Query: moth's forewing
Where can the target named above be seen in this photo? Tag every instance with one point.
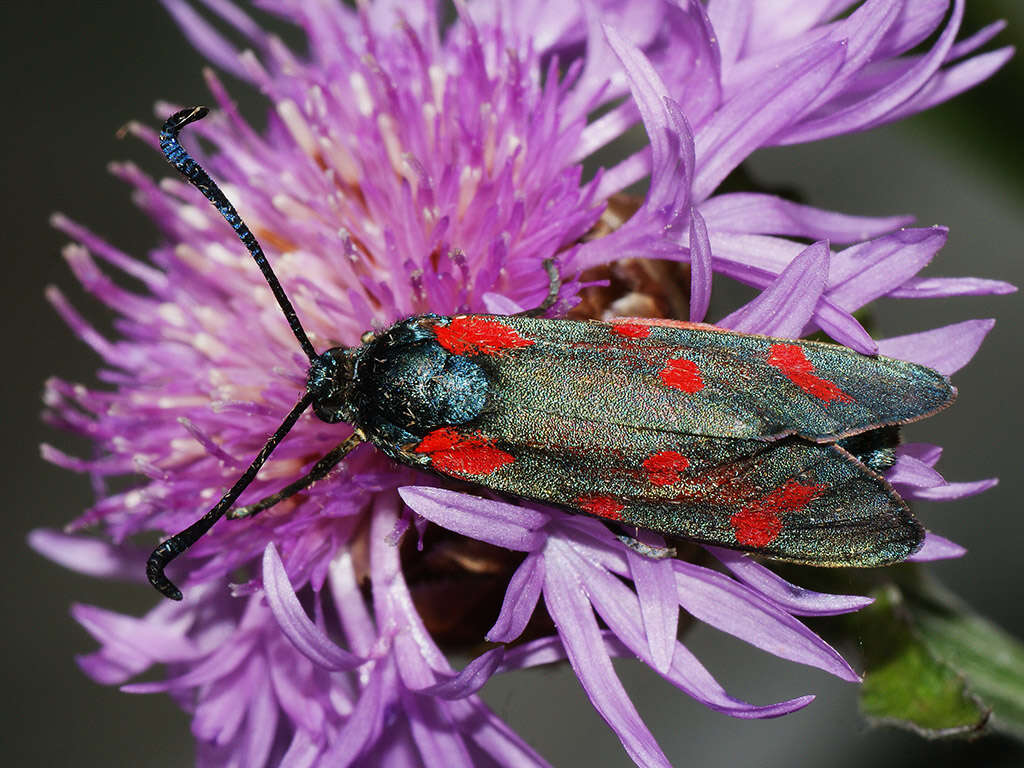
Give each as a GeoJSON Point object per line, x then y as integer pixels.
{"type": "Point", "coordinates": [711, 382]}
{"type": "Point", "coordinates": [723, 438]}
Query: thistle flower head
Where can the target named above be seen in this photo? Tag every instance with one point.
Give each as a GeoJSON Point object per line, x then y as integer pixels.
{"type": "Point", "coordinates": [411, 167]}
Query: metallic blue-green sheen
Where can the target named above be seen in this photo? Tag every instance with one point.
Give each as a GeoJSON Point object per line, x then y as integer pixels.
{"type": "Point", "coordinates": [577, 412]}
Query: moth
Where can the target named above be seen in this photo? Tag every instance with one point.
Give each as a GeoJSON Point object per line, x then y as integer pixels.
{"type": "Point", "coordinates": [771, 446]}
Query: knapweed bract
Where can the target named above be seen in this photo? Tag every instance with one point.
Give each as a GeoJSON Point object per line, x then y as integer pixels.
{"type": "Point", "coordinates": [420, 162]}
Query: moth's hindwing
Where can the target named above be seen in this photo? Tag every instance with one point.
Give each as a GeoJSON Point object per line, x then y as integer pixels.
{"type": "Point", "coordinates": [724, 438]}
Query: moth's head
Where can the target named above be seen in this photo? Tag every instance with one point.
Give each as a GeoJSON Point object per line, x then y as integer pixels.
{"type": "Point", "coordinates": [330, 383]}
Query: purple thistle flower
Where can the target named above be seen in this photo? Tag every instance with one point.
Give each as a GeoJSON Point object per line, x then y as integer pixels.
{"type": "Point", "coordinates": [409, 168]}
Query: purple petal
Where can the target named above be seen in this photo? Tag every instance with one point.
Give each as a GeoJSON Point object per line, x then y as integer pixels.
{"type": "Point", "coordinates": [752, 259]}
{"type": "Point", "coordinates": [262, 715]}
{"type": "Point", "coordinates": [356, 622]}
{"type": "Point", "coordinates": [470, 680]}
{"type": "Point", "coordinates": [220, 714]}
{"type": "Point", "coordinates": [912, 472]}
{"type": "Point", "coordinates": [498, 304]}
{"type": "Point", "coordinates": [936, 548]}
{"type": "Point", "coordinates": [413, 668]}
{"type": "Point", "coordinates": [974, 42]}
{"type": "Point", "coordinates": [951, 491]}
{"type": "Point", "coordinates": [302, 752]}
{"type": "Point", "coordinates": [789, 597]}
{"type": "Point", "coordinates": [521, 597]}
{"type": "Point", "coordinates": [786, 306]}
{"type": "Point", "coordinates": [862, 31]}
{"type": "Point", "coordinates": [943, 287]}
{"type": "Point", "coordinates": [690, 675]}
{"type": "Point", "coordinates": [953, 81]}
{"type": "Point", "coordinates": [504, 525]}
{"type": "Point", "coordinates": [131, 645]}
{"type": "Point", "coordinates": [731, 607]}
{"type": "Point", "coordinates": [309, 639]}
{"type": "Point", "coordinates": [946, 349]}
{"type": "Point", "coordinates": [101, 346]}
{"type": "Point", "coordinates": [89, 556]}
{"type": "Point", "coordinates": [731, 21]}
{"type": "Point", "coordinates": [494, 738]}
{"type": "Point", "coordinates": [924, 452]}
{"type": "Point", "coordinates": [606, 128]}
{"type": "Point", "coordinates": [159, 641]}
{"type": "Point", "coordinates": [437, 738]}
{"type": "Point", "coordinates": [864, 272]}
{"type": "Point", "coordinates": [782, 20]}
{"type": "Point", "coordinates": [749, 120]}
{"type": "Point", "coordinates": [592, 541]}
{"type": "Point", "coordinates": [565, 597]}
{"type": "Point", "coordinates": [154, 279]}
{"type": "Point", "coordinates": [620, 607]}
{"type": "Point", "coordinates": [295, 697]}
{"type": "Point", "coordinates": [671, 145]}
{"type": "Point", "coordinates": [616, 603]}
{"type": "Point", "coordinates": [205, 38]}
{"type": "Point", "coordinates": [843, 327]}
{"type": "Point", "coordinates": [655, 589]}
{"type": "Point", "coordinates": [232, 14]}
{"type": "Point", "coordinates": [757, 260]}
{"type": "Point", "coordinates": [917, 22]}
{"type": "Point", "coordinates": [874, 108]}
{"type": "Point", "coordinates": [701, 271]}
{"type": "Point", "coordinates": [393, 746]}
{"type": "Point", "coordinates": [687, 674]}
{"type": "Point", "coordinates": [224, 661]}
{"type": "Point", "coordinates": [746, 212]}
{"type": "Point", "coordinates": [690, 57]}
{"type": "Point", "coordinates": [363, 725]}
{"type": "Point", "coordinates": [209, 445]}
{"type": "Point", "coordinates": [114, 668]}
{"type": "Point", "coordinates": [544, 650]}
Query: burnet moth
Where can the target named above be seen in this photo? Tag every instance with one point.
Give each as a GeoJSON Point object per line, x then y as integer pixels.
{"type": "Point", "coordinates": [770, 446]}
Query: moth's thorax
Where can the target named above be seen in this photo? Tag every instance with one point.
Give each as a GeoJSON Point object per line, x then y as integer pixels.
{"type": "Point", "coordinates": [406, 384]}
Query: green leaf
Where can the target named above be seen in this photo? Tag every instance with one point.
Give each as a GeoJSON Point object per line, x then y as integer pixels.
{"type": "Point", "coordinates": [906, 683]}
{"type": "Point", "coordinates": [989, 659]}
{"type": "Point", "coordinates": [935, 666]}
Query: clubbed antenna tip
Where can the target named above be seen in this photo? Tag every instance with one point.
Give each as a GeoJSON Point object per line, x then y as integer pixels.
{"type": "Point", "coordinates": [180, 119]}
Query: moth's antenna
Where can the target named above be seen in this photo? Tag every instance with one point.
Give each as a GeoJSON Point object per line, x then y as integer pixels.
{"type": "Point", "coordinates": [178, 543]}
{"type": "Point", "coordinates": [191, 170]}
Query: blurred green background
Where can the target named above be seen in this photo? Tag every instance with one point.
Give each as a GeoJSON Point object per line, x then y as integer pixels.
{"type": "Point", "coordinates": [76, 72]}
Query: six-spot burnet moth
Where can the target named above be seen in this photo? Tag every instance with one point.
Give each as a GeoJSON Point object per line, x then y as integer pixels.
{"type": "Point", "coordinates": [766, 445]}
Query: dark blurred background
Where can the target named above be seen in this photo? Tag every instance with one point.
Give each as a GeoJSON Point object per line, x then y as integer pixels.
{"type": "Point", "coordinates": [76, 72]}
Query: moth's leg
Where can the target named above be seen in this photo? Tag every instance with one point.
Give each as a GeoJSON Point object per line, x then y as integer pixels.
{"type": "Point", "coordinates": [654, 553]}
{"type": "Point", "coordinates": [554, 284]}
{"type": "Point", "coordinates": [318, 472]}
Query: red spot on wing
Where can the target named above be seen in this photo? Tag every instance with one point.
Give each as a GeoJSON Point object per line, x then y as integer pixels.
{"type": "Point", "coordinates": [666, 467]}
{"type": "Point", "coordinates": [682, 374]}
{"type": "Point", "coordinates": [631, 330]}
{"type": "Point", "coordinates": [602, 506]}
{"type": "Point", "coordinates": [759, 522]}
{"type": "Point", "coordinates": [475, 335]}
{"type": "Point", "coordinates": [455, 454]}
{"type": "Point", "coordinates": [791, 360]}
{"type": "Point", "coordinates": [756, 527]}
{"type": "Point", "coordinates": [723, 484]}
